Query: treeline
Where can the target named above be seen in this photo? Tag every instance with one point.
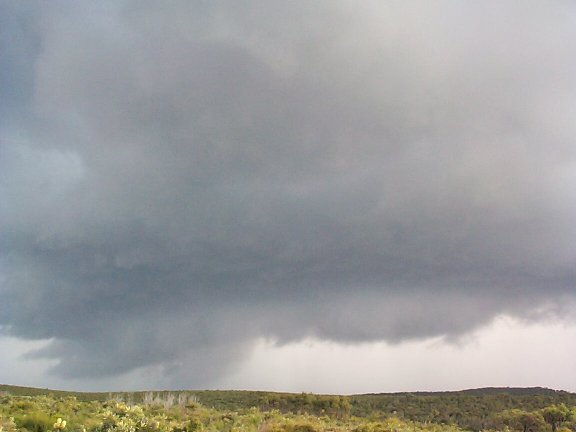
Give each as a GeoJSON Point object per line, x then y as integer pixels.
{"type": "Point", "coordinates": [336, 406]}
{"type": "Point", "coordinates": [472, 410]}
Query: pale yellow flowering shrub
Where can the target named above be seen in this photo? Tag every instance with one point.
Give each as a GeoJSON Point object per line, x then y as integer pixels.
{"type": "Point", "coordinates": [132, 418]}
{"type": "Point", "coordinates": [59, 425]}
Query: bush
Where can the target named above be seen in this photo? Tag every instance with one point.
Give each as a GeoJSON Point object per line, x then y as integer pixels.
{"type": "Point", "coordinates": [370, 427]}
{"type": "Point", "coordinates": [291, 427]}
{"type": "Point", "coordinates": [35, 422]}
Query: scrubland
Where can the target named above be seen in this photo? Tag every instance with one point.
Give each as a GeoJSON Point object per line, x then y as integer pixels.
{"type": "Point", "coordinates": [29, 410]}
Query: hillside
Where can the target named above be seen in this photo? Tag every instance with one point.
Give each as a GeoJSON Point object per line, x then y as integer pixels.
{"type": "Point", "coordinates": [470, 409]}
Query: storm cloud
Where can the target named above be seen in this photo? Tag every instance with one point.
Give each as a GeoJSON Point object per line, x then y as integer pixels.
{"type": "Point", "coordinates": [179, 179]}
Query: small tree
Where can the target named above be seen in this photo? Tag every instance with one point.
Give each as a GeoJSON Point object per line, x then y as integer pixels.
{"type": "Point", "coordinates": [555, 415]}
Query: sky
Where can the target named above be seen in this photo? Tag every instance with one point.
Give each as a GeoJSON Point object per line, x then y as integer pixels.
{"type": "Point", "coordinates": [329, 196]}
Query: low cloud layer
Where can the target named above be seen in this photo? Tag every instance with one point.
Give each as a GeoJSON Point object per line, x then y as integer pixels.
{"type": "Point", "coordinates": [179, 180]}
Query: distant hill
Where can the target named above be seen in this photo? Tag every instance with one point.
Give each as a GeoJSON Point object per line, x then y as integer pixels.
{"type": "Point", "coordinates": [236, 394]}
{"type": "Point", "coordinates": [33, 391]}
{"type": "Point", "coordinates": [516, 391]}
{"type": "Point", "coordinates": [484, 391]}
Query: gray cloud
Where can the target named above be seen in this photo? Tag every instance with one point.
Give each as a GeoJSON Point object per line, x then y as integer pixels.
{"type": "Point", "coordinates": [190, 177]}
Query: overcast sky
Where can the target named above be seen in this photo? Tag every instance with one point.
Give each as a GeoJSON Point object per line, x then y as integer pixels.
{"type": "Point", "coordinates": [271, 194]}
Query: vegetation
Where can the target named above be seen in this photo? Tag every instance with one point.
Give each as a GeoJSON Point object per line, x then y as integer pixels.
{"type": "Point", "coordinates": [522, 410]}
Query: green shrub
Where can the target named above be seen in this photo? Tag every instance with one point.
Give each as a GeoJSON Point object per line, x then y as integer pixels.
{"type": "Point", "coordinates": [194, 425]}
{"type": "Point", "coordinates": [370, 427]}
{"type": "Point", "coordinates": [304, 427]}
{"type": "Point", "coordinates": [35, 422]}
{"type": "Point", "coordinates": [292, 427]}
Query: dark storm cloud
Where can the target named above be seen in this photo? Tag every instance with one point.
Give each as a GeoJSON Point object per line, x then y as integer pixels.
{"type": "Point", "coordinates": [192, 176]}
